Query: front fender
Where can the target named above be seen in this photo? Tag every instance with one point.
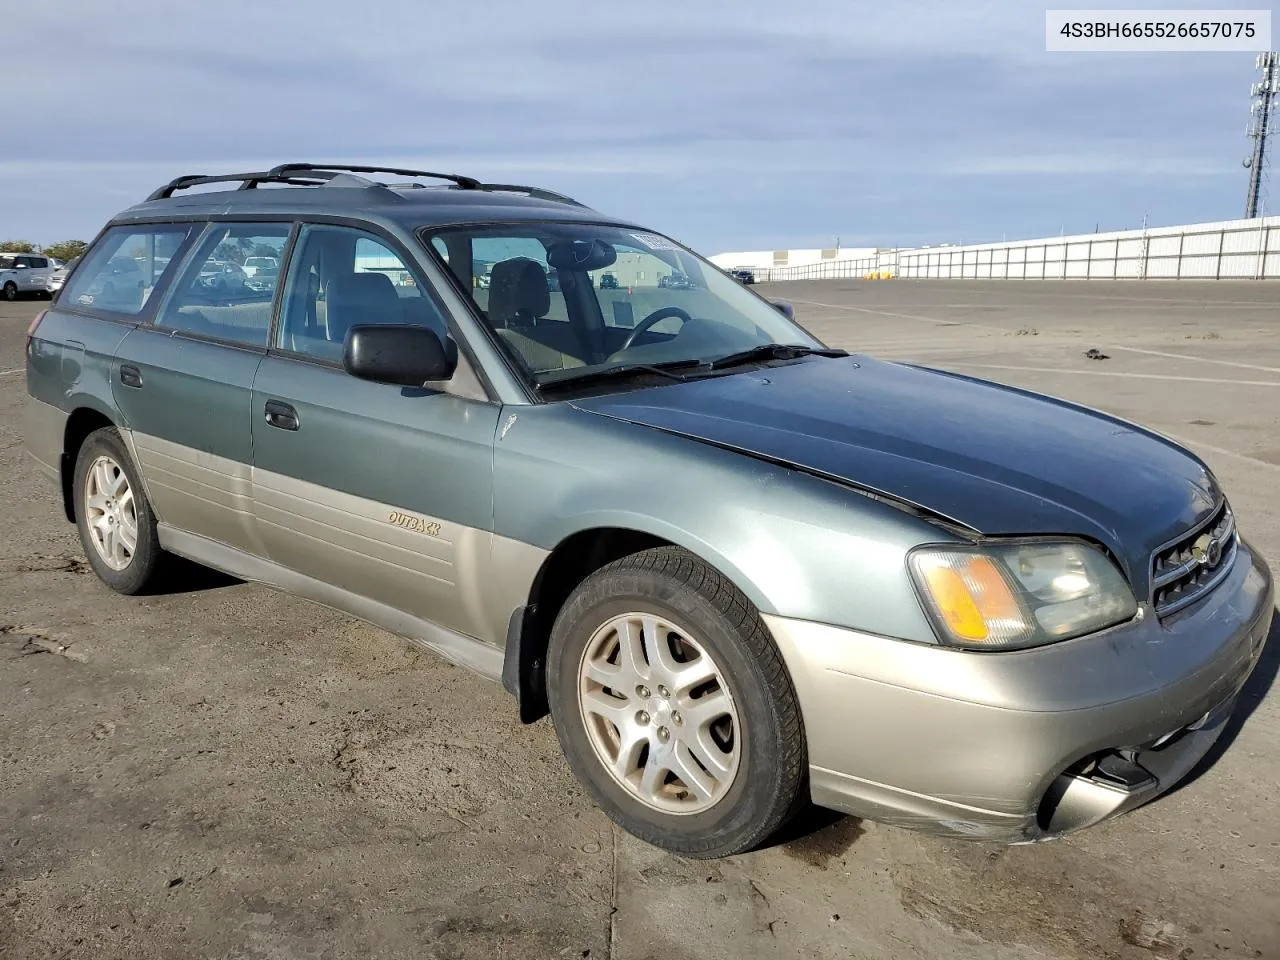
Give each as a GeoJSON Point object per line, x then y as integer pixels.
{"type": "Point", "coordinates": [601, 516]}
{"type": "Point", "coordinates": [796, 545]}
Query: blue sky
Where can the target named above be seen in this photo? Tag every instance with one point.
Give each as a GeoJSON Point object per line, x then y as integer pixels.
{"type": "Point", "coordinates": [730, 124]}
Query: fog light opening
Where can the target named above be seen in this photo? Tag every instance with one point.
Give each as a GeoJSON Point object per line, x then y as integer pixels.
{"type": "Point", "coordinates": [1091, 790]}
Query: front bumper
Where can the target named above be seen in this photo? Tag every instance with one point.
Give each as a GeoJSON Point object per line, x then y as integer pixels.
{"type": "Point", "coordinates": [1024, 745]}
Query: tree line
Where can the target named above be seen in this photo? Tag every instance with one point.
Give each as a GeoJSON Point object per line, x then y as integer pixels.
{"type": "Point", "coordinates": [63, 250]}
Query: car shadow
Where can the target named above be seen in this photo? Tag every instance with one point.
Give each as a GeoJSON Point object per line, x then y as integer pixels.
{"type": "Point", "coordinates": [181, 575]}
{"type": "Point", "coordinates": [816, 836]}
{"type": "Point", "coordinates": [1252, 694]}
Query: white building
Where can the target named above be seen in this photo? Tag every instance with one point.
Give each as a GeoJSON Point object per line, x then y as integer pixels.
{"type": "Point", "coordinates": [764, 259]}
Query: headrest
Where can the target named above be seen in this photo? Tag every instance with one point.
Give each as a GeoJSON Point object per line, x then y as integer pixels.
{"type": "Point", "coordinates": [354, 298]}
{"type": "Point", "coordinates": [518, 292]}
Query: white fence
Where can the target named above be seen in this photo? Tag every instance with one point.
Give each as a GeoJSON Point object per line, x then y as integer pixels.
{"type": "Point", "coordinates": [830, 269]}
{"type": "Point", "coordinates": [1230, 249]}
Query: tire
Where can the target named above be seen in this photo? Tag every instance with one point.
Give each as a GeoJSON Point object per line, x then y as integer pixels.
{"type": "Point", "coordinates": [10, 291]}
{"type": "Point", "coordinates": [752, 763]}
{"type": "Point", "coordinates": [126, 571]}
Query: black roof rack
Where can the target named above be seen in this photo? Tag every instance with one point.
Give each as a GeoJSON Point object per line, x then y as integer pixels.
{"type": "Point", "coordinates": [537, 193]}
{"type": "Point", "coordinates": [466, 183]}
{"type": "Point", "coordinates": [247, 181]}
{"type": "Point", "coordinates": [319, 174]}
{"type": "Point", "coordinates": [284, 169]}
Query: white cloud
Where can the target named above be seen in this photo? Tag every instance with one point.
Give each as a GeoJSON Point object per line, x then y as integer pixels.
{"type": "Point", "coordinates": [1124, 165]}
{"type": "Point", "coordinates": [714, 116]}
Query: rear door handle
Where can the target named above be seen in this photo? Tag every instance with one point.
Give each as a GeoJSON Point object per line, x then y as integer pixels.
{"type": "Point", "coordinates": [130, 376]}
{"type": "Point", "coordinates": [281, 415]}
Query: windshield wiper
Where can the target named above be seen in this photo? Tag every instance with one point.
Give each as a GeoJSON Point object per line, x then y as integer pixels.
{"type": "Point", "coordinates": [621, 371]}
{"type": "Point", "coordinates": [765, 351]}
{"type": "Point", "coordinates": [772, 351]}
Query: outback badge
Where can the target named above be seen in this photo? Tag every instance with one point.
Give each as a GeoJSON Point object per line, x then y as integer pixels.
{"type": "Point", "coordinates": [407, 520]}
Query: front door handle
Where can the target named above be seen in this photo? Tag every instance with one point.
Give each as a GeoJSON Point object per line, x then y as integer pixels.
{"type": "Point", "coordinates": [130, 376]}
{"type": "Point", "coordinates": [281, 415]}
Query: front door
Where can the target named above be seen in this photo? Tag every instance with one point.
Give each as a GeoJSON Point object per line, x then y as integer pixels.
{"type": "Point", "coordinates": [381, 491]}
{"type": "Point", "coordinates": [184, 383]}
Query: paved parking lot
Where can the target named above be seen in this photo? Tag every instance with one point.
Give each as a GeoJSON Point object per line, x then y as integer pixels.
{"type": "Point", "coordinates": [224, 771]}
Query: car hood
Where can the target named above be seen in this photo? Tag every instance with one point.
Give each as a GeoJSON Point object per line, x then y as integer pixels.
{"type": "Point", "coordinates": [995, 459]}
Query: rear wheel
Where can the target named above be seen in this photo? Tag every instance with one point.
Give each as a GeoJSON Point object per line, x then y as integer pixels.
{"type": "Point", "coordinates": [116, 525]}
{"type": "Point", "coordinates": [10, 291]}
{"type": "Point", "coordinates": [673, 706]}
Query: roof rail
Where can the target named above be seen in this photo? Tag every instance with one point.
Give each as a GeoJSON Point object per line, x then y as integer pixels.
{"type": "Point", "coordinates": [319, 174]}
{"type": "Point", "coordinates": [247, 181]}
{"type": "Point", "coordinates": [285, 169]}
{"type": "Point", "coordinates": [536, 193]}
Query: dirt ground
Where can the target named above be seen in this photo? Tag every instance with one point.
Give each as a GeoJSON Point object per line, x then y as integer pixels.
{"type": "Point", "coordinates": [223, 771]}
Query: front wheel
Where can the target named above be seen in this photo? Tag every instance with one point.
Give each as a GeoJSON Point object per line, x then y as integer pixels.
{"type": "Point", "coordinates": [674, 708]}
{"type": "Point", "coordinates": [116, 525]}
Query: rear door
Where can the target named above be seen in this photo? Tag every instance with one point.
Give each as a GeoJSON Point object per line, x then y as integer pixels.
{"type": "Point", "coordinates": [39, 273]}
{"type": "Point", "coordinates": [27, 276]}
{"type": "Point", "coordinates": [384, 492]}
{"type": "Point", "coordinates": [184, 383]}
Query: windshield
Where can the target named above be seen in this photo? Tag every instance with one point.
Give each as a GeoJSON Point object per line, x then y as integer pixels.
{"type": "Point", "coordinates": [570, 300]}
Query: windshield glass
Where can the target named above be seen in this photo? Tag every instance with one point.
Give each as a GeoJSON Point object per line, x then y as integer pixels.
{"type": "Point", "coordinates": [570, 300]}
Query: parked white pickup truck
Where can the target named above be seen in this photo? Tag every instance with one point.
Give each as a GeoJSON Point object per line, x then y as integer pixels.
{"type": "Point", "coordinates": [25, 273]}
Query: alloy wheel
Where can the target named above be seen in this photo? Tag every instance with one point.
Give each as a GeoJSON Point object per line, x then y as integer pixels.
{"type": "Point", "coordinates": [111, 513]}
{"type": "Point", "coordinates": [659, 714]}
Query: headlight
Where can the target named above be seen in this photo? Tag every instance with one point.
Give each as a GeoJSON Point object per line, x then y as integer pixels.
{"type": "Point", "coordinates": [1010, 596]}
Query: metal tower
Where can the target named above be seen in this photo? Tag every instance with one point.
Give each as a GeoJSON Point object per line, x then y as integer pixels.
{"type": "Point", "coordinates": [1264, 94]}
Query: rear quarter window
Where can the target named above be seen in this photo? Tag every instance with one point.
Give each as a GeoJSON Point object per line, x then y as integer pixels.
{"type": "Point", "coordinates": [126, 265]}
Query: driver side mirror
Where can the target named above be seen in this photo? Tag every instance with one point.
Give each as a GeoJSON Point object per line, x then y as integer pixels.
{"type": "Point", "coordinates": [393, 353]}
{"type": "Point", "coordinates": [784, 308]}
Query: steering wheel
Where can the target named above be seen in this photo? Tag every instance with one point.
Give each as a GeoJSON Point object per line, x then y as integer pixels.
{"type": "Point", "coordinates": [645, 325]}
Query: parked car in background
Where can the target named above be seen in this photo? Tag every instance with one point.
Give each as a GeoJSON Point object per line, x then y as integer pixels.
{"type": "Point", "coordinates": [222, 274]}
{"type": "Point", "coordinates": [675, 281]}
{"type": "Point", "coordinates": [25, 273]}
{"type": "Point", "coordinates": [59, 276]}
{"type": "Point", "coordinates": [253, 264]}
{"type": "Point", "coordinates": [264, 276]}
{"type": "Point", "coordinates": [740, 569]}
{"type": "Point", "coordinates": [743, 275]}
{"type": "Point", "coordinates": [608, 282]}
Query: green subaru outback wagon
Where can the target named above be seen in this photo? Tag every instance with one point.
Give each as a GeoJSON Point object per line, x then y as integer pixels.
{"type": "Point", "coordinates": [740, 570]}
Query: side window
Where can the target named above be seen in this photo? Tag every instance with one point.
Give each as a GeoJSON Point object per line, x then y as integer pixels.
{"type": "Point", "coordinates": [39, 262]}
{"type": "Point", "coordinates": [341, 277]}
{"type": "Point", "coordinates": [124, 267]}
{"type": "Point", "coordinates": [229, 287]}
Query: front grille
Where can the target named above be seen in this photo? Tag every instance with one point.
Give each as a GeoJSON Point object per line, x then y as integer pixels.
{"type": "Point", "coordinates": [1184, 571]}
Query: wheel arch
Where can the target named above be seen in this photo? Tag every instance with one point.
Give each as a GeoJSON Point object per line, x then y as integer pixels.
{"type": "Point", "coordinates": [574, 558]}
{"type": "Point", "coordinates": [83, 420]}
